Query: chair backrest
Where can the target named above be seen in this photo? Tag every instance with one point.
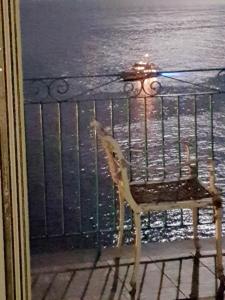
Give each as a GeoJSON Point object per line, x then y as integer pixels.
{"type": "Point", "coordinates": [117, 164]}
{"type": "Point", "coordinates": [116, 161]}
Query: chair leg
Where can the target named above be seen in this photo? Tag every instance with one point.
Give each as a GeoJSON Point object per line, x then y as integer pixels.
{"type": "Point", "coordinates": [121, 223]}
{"type": "Point", "coordinates": [133, 282]}
{"type": "Point", "coordinates": [219, 255]}
{"type": "Point", "coordinates": [195, 228]}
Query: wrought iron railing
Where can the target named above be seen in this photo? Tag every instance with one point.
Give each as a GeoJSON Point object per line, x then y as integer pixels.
{"type": "Point", "coordinates": [71, 196]}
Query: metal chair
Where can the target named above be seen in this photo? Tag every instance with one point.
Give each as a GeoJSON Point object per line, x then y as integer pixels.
{"type": "Point", "coordinates": [144, 197]}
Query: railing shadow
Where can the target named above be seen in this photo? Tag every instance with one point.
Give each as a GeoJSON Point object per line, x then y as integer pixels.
{"type": "Point", "coordinates": [194, 295]}
{"type": "Point", "coordinates": [111, 281]}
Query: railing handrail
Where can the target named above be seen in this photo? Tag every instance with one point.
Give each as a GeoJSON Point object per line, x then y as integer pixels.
{"type": "Point", "coordinates": [64, 89]}
{"type": "Point", "coordinates": [118, 74]}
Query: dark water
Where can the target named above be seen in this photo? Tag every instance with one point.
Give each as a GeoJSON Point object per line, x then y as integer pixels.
{"type": "Point", "coordinates": [75, 37]}
{"type": "Point", "coordinates": [94, 37]}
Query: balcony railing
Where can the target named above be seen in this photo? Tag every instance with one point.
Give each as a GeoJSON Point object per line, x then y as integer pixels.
{"type": "Point", "coordinates": [71, 196]}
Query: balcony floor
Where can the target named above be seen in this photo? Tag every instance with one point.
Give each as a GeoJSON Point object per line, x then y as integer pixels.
{"type": "Point", "coordinates": [168, 271]}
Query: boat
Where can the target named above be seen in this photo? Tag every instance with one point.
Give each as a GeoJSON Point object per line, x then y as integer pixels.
{"type": "Point", "coordinates": [139, 71]}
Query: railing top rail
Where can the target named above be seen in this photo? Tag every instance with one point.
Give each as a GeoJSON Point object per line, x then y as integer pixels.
{"type": "Point", "coordinates": [118, 74]}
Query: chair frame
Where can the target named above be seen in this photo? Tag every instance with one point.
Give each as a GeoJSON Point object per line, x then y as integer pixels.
{"type": "Point", "coordinates": [118, 169]}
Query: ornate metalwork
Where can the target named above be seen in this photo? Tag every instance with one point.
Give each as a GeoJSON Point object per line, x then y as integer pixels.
{"type": "Point", "coordinates": [221, 75]}
{"type": "Point", "coordinates": [71, 88]}
{"type": "Point", "coordinates": [43, 89]}
{"type": "Point", "coordinates": [142, 88]}
{"type": "Point", "coordinates": [66, 88]}
{"type": "Point", "coordinates": [39, 88]}
{"type": "Point", "coordinates": [140, 81]}
{"type": "Point", "coordinates": [58, 88]}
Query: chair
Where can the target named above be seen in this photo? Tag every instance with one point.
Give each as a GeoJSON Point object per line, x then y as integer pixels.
{"type": "Point", "coordinates": [143, 197]}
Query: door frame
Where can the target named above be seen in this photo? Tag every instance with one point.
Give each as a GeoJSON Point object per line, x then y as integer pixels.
{"type": "Point", "coordinates": [14, 229]}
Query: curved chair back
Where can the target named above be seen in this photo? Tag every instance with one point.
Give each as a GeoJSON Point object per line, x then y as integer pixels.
{"type": "Point", "coordinates": [116, 162]}
{"type": "Point", "coordinates": [114, 155]}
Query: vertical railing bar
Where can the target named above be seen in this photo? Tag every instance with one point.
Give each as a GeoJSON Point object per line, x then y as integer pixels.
{"type": "Point", "coordinates": [163, 136]}
{"type": "Point", "coordinates": [146, 139]}
{"type": "Point", "coordinates": [129, 147]}
{"type": "Point", "coordinates": [179, 149]}
{"type": "Point", "coordinates": [113, 185]}
{"type": "Point", "coordinates": [44, 167]}
{"type": "Point", "coordinates": [211, 110]}
{"type": "Point", "coordinates": [196, 130]}
{"type": "Point", "coordinates": [61, 167]}
{"type": "Point", "coordinates": [146, 151]}
{"type": "Point", "coordinates": [196, 138]}
{"type": "Point", "coordinates": [129, 136]}
{"type": "Point", "coordinates": [112, 116]}
{"type": "Point", "coordinates": [163, 149]}
{"type": "Point", "coordinates": [211, 124]}
{"type": "Point", "coordinates": [96, 177]}
{"type": "Point", "coordinates": [77, 110]}
{"type": "Point", "coordinates": [178, 133]}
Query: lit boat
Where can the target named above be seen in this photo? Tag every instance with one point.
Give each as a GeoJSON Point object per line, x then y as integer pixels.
{"type": "Point", "coordinates": [139, 71]}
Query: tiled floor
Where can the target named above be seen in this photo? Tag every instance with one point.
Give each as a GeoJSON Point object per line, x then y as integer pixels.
{"type": "Point", "coordinates": [168, 271]}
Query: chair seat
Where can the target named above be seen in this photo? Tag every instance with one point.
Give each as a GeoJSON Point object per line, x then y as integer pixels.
{"type": "Point", "coordinates": [169, 191]}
